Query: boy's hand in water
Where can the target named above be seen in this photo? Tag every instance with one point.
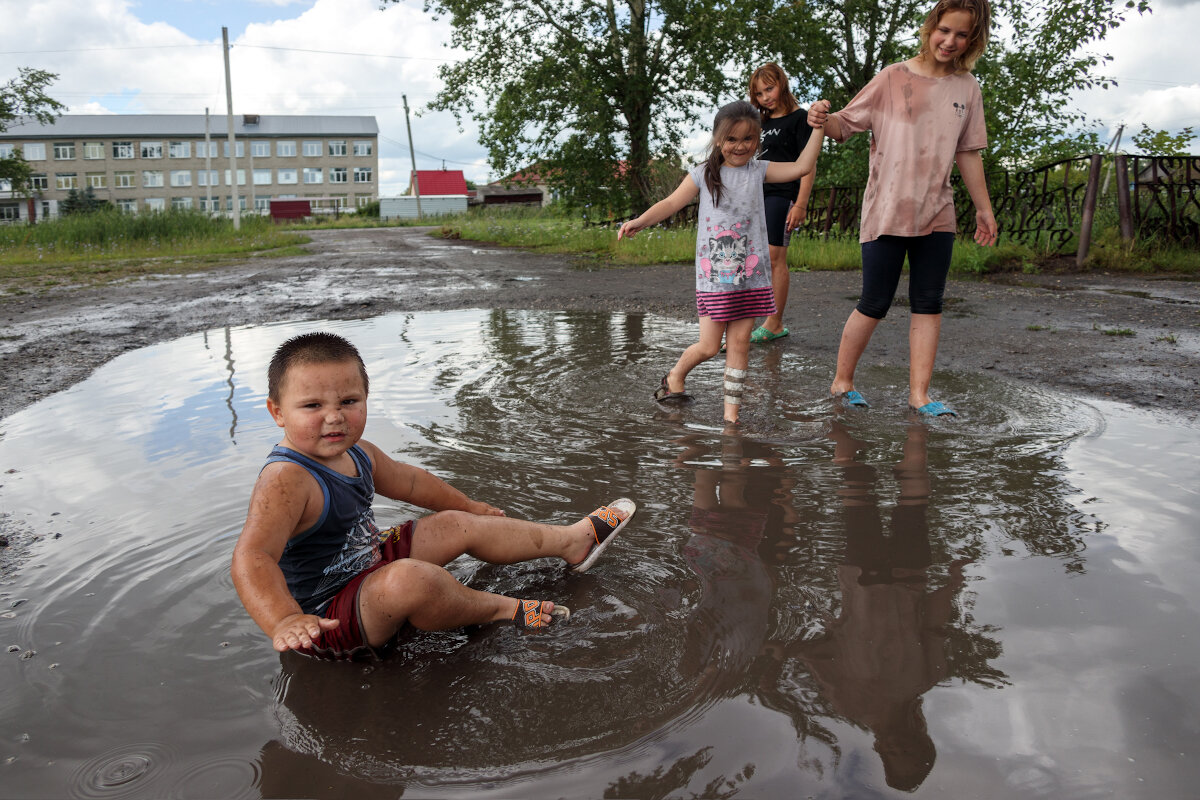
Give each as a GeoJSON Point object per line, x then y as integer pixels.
{"type": "Point", "coordinates": [484, 510]}
{"type": "Point", "coordinates": [300, 631]}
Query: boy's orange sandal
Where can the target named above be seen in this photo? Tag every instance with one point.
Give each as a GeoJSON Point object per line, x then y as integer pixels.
{"type": "Point", "coordinates": [607, 522]}
{"type": "Point", "coordinates": [529, 614]}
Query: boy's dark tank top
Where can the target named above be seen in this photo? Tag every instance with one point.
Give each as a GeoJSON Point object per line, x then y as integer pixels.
{"type": "Point", "coordinates": [343, 542]}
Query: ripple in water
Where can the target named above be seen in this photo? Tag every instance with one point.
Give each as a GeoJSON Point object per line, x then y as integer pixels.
{"type": "Point", "coordinates": [126, 771]}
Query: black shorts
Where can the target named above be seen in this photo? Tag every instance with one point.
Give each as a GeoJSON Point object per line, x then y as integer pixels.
{"type": "Point", "coordinates": [928, 266]}
{"type": "Point", "coordinates": [777, 210]}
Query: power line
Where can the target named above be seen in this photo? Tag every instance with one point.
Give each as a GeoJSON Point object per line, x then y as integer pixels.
{"type": "Point", "coordinates": [101, 49]}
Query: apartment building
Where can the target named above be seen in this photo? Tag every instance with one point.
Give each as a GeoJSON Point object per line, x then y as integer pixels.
{"type": "Point", "coordinates": [152, 162]}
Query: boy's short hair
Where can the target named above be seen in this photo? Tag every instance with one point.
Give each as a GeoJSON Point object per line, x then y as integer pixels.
{"type": "Point", "coordinates": [318, 347]}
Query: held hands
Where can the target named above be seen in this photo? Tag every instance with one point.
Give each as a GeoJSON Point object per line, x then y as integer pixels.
{"type": "Point", "coordinates": [986, 230]}
{"type": "Point", "coordinates": [300, 631]}
{"type": "Point", "coordinates": [818, 112]}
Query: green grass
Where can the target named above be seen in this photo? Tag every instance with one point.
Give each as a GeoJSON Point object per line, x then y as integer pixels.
{"type": "Point", "coordinates": [109, 245]}
{"type": "Point", "coordinates": [1114, 331]}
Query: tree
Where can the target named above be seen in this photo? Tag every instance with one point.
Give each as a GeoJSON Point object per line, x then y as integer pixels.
{"type": "Point", "coordinates": [592, 91]}
{"type": "Point", "coordinates": [1162, 143]}
{"type": "Point", "coordinates": [25, 96]}
{"type": "Point", "coordinates": [84, 202]}
{"type": "Point", "coordinates": [1039, 53]}
{"type": "Point", "coordinates": [15, 173]}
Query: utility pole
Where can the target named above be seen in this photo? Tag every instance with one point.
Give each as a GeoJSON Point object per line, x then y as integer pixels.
{"type": "Point", "coordinates": [1113, 144]}
{"type": "Point", "coordinates": [413, 153]}
{"type": "Point", "coordinates": [237, 215]}
{"type": "Point", "coordinates": [207, 165]}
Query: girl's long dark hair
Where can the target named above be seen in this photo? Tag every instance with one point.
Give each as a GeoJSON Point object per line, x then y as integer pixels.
{"type": "Point", "coordinates": [727, 117]}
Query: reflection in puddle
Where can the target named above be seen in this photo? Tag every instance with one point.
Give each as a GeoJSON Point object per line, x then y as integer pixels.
{"type": "Point", "coordinates": [823, 602]}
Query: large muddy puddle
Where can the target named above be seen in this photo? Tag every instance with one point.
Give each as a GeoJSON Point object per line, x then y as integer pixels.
{"type": "Point", "coordinates": [823, 603]}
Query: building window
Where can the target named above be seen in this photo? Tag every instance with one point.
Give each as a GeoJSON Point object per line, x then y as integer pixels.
{"type": "Point", "coordinates": [260, 149]}
{"type": "Point", "coordinates": [152, 178]}
{"type": "Point", "coordinates": [312, 175]}
{"type": "Point", "coordinates": [66, 180]}
{"type": "Point", "coordinates": [128, 206]}
{"type": "Point", "coordinates": [181, 177]}
{"type": "Point", "coordinates": [285, 149]}
{"type": "Point", "coordinates": [64, 151]}
{"type": "Point", "coordinates": [262, 203]}
{"type": "Point", "coordinates": [6, 150]}
{"type": "Point", "coordinates": [201, 147]}
{"type": "Point", "coordinates": [93, 150]}
{"type": "Point", "coordinates": [229, 204]}
{"type": "Point", "coordinates": [156, 204]}
{"type": "Point", "coordinates": [362, 174]}
{"type": "Point", "coordinates": [312, 149]}
{"type": "Point", "coordinates": [362, 148]}
{"type": "Point", "coordinates": [181, 203]}
{"type": "Point", "coordinates": [152, 150]}
{"type": "Point", "coordinates": [241, 179]}
{"type": "Point", "coordinates": [123, 180]}
{"type": "Point", "coordinates": [361, 200]}
{"type": "Point", "coordinates": [286, 176]}
{"type": "Point", "coordinates": [39, 182]}
{"type": "Point", "coordinates": [122, 149]}
{"type": "Point", "coordinates": [337, 174]}
{"type": "Point", "coordinates": [10, 212]}
{"type": "Point", "coordinates": [206, 178]}
{"type": "Point", "coordinates": [240, 149]}
{"type": "Point", "coordinates": [337, 148]}
{"type": "Point", "coordinates": [97, 180]}
{"type": "Point", "coordinates": [262, 177]}
{"type": "Point", "coordinates": [34, 151]}
{"type": "Point", "coordinates": [179, 149]}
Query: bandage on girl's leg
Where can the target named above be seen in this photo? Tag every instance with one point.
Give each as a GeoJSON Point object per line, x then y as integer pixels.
{"type": "Point", "coordinates": [735, 386]}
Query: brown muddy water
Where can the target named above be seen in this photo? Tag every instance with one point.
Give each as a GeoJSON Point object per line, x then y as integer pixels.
{"type": "Point", "coordinates": [823, 603]}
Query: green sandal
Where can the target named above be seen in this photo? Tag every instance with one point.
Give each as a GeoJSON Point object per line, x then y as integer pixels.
{"type": "Point", "coordinates": [761, 335]}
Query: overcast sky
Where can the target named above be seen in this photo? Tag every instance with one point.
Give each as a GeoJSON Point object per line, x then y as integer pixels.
{"type": "Point", "coordinates": [351, 57]}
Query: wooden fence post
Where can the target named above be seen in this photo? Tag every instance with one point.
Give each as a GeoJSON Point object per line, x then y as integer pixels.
{"type": "Point", "coordinates": [1123, 199]}
{"type": "Point", "coordinates": [1089, 209]}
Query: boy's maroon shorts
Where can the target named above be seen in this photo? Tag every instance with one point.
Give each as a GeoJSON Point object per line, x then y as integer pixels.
{"type": "Point", "coordinates": [347, 640]}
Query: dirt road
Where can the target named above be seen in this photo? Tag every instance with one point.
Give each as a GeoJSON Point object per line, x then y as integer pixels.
{"type": "Point", "coordinates": [1135, 340]}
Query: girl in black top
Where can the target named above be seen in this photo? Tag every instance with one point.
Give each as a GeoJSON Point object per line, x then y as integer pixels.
{"type": "Point", "coordinates": [785, 131]}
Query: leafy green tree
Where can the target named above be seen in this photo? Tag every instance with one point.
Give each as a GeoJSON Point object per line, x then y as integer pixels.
{"type": "Point", "coordinates": [15, 172]}
{"type": "Point", "coordinates": [1162, 143]}
{"type": "Point", "coordinates": [1041, 51]}
{"type": "Point", "coordinates": [25, 96]}
{"type": "Point", "coordinates": [84, 202]}
{"type": "Point", "coordinates": [592, 91]}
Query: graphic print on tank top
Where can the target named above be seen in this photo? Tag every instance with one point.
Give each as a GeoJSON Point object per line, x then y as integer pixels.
{"type": "Point", "coordinates": [729, 259]}
{"type": "Point", "coordinates": [360, 551]}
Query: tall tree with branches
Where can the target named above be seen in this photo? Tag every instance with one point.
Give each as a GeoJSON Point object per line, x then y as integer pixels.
{"type": "Point", "coordinates": [589, 92]}
{"type": "Point", "coordinates": [24, 97]}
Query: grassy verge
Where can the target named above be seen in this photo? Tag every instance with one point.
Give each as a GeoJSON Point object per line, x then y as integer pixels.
{"type": "Point", "coordinates": [549, 231]}
{"type": "Point", "coordinates": [86, 249]}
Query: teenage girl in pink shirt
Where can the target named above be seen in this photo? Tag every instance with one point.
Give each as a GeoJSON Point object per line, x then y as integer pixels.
{"type": "Point", "coordinates": [925, 115]}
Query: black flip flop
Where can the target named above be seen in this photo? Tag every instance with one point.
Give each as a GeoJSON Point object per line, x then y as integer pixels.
{"type": "Point", "coordinates": [664, 395]}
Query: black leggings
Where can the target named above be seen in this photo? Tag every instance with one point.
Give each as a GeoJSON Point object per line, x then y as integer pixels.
{"type": "Point", "coordinates": [928, 265]}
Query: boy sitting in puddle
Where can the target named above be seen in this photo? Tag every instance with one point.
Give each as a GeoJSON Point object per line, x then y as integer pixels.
{"type": "Point", "coordinates": [314, 571]}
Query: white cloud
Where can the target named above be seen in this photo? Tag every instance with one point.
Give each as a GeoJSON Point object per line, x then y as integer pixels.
{"type": "Point", "coordinates": [332, 57]}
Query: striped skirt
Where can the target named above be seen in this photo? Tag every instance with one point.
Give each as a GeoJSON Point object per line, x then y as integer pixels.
{"type": "Point", "coordinates": [735, 305]}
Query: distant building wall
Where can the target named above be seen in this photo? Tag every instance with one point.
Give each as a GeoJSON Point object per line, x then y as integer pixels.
{"type": "Point", "coordinates": [148, 162]}
{"type": "Point", "coordinates": [431, 206]}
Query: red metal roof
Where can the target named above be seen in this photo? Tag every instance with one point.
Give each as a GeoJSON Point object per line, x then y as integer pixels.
{"type": "Point", "coordinates": [440, 181]}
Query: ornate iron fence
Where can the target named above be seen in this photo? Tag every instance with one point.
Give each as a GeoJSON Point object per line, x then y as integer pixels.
{"type": "Point", "coordinates": [1052, 207]}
